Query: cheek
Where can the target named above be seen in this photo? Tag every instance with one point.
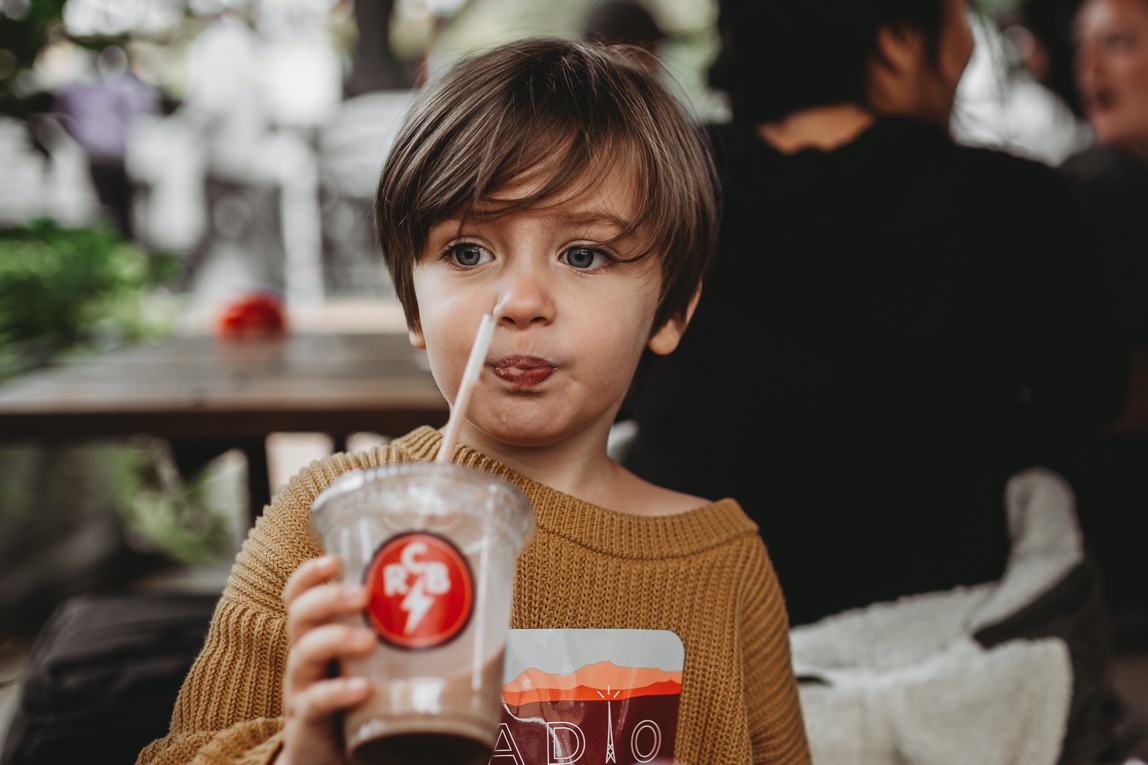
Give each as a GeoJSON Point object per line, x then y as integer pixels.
{"type": "Point", "coordinates": [447, 358]}
{"type": "Point", "coordinates": [1129, 79]}
{"type": "Point", "coordinates": [1136, 75]}
{"type": "Point", "coordinates": [611, 374]}
{"type": "Point", "coordinates": [628, 336]}
{"type": "Point", "coordinates": [613, 319]}
{"type": "Point", "coordinates": [437, 314]}
{"type": "Point", "coordinates": [437, 302]}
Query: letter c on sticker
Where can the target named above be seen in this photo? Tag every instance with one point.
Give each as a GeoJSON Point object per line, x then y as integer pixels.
{"type": "Point", "coordinates": [409, 561]}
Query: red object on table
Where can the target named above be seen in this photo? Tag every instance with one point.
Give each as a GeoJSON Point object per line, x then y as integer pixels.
{"type": "Point", "coordinates": [258, 314]}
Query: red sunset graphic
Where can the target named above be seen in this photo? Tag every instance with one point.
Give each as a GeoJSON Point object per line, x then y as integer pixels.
{"type": "Point", "coordinates": [587, 683]}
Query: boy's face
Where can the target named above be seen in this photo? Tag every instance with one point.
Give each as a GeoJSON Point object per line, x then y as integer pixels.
{"type": "Point", "coordinates": [571, 319]}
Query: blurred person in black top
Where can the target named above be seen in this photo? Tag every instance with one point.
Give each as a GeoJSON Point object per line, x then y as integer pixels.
{"type": "Point", "coordinates": [894, 323]}
{"type": "Point", "coordinates": [623, 22]}
{"type": "Point", "coordinates": [1110, 179]}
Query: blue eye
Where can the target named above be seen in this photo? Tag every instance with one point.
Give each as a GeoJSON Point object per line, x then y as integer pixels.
{"type": "Point", "coordinates": [584, 258]}
{"type": "Point", "coordinates": [468, 254]}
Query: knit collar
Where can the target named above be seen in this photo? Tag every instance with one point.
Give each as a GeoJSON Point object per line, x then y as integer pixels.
{"type": "Point", "coordinates": [594, 527]}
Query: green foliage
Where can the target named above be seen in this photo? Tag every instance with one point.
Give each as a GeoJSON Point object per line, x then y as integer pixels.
{"type": "Point", "coordinates": [80, 502]}
{"type": "Point", "coordinates": [74, 290]}
{"type": "Point", "coordinates": [25, 35]}
{"type": "Point", "coordinates": [21, 40]}
{"type": "Point", "coordinates": [69, 291]}
{"type": "Point", "coordinates": [165, 515]}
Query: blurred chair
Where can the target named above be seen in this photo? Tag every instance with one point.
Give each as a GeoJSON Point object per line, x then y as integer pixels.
{"type": "Point", "coordinates": [942, 676]}
{"type": "Point", "coordinates": [244, 225]}
{"type": "Point", "coordinates": [351, 149]}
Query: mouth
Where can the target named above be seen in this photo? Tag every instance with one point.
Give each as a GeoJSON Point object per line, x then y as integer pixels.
{"type": "Point", "coordinates": [523, 371]}
{"type": "Point", "coordinates": [1102, 100]}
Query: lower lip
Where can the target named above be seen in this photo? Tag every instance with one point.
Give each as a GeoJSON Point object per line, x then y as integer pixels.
{"type": "Point", "coordinates": [526, 378]}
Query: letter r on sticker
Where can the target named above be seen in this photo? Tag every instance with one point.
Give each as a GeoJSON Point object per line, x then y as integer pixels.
{"type": "Point", "coordinates": [394, 580]}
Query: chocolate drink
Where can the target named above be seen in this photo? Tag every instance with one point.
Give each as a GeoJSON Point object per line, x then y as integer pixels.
{"type": "Point", "coordinates": [423, 749]}
{"type": "Point", "coordinates": [394, 731]}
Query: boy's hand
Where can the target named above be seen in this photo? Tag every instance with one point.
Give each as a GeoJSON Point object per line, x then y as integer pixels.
{"type": "Point", "coordinates": [312, 698]}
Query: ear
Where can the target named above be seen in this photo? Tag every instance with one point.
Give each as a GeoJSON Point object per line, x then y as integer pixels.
{"type": "Point", "coordinates": [897, 48]}
{"type": "Point", "coordinates": [415, 335]}
{"type": "Point", "coordinates": [666, 339]}
{"type": "Point", "coordinates": [894, 67]}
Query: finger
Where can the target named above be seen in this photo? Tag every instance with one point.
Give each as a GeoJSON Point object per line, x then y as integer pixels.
{"type": "Point", "coordinates": [323, 604]}
{"type": "Point", "coordinates": [310, 573]}
{"type": "Point", "coordinates": [321, 700]}
{"type": "Point", "coordinates": [309, 659]}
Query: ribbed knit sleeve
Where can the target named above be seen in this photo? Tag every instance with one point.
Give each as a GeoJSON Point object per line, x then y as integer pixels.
{"type": "Point", "coordinates": [703, 575]}
{"type": "Point", "coordinates": [776, 724]}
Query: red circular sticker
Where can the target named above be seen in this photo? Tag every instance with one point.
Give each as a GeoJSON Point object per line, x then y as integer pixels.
{"type": "Point", "coordinates": [421, 591]}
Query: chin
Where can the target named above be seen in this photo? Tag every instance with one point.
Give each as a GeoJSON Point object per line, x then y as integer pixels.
{"type": "Point", "coordinates": [1109, 135]}
{"type": "Point", "coordinates": [523, 436]}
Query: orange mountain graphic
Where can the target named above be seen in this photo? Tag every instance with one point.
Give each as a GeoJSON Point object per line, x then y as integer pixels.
{"type": "Point", "coordinates": [593, 682]}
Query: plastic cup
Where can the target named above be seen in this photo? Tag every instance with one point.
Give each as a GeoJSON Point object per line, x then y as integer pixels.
{"type": "Point", "coordinates": [435, 544]}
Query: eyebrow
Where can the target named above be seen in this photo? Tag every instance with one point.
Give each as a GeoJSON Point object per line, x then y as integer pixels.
{"type": "Point", "coordinates": [595, 218]}
{"type": "Point", "coordinates": [581, 218]}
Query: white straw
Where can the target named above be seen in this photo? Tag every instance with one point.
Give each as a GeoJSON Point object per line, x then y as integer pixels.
{"type": "Point", "coordinates": [466, 387]}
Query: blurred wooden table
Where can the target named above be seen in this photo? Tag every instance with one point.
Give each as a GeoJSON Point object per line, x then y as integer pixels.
{"type": "Point", "coordinates": [201, 390]}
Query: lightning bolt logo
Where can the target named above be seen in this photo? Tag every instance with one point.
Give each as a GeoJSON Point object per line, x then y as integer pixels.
{"type": "Point", "coordinates": [421, 593]}
{"type": "Point", "coordinates": [416, 604]}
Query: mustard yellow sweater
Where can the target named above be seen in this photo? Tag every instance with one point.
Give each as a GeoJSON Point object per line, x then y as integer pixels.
{"type": "Point", "coordinates": [703, 574]}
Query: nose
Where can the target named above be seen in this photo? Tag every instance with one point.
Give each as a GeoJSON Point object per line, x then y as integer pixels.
{"type": "Point", "coordinates": [524, 297]}
{"type": "Point", "coordinates": [1086, 66]}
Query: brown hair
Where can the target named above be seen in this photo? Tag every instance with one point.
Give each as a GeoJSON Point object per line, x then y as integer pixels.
{"type": "Point", "coordinates": [563, 113]}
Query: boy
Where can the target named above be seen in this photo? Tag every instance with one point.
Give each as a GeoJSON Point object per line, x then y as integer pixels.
{"type": "Point", "coordinates": [559, 187]}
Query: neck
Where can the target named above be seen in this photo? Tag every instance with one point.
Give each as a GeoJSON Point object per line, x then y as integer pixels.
{"type": "Point", "coordinates": [1137, 149]}
{"type": "Point", "coordinates": [577, 465]}
{"type": "Point", "coordinates": [819, 127]}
